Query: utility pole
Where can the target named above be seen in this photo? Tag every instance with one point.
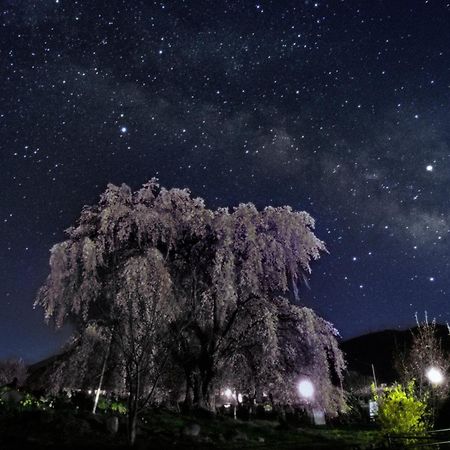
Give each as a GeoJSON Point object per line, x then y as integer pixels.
{"type": "Point", "coordinates": [374, 377]}
{"type": "Point", "coordinates": [97, 394]}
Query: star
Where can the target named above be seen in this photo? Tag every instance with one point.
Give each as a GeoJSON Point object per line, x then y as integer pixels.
{"type": "Point", "coordinates": [239, 116]}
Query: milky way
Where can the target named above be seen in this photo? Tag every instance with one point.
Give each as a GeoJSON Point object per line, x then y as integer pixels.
{"type": "Point", "coordinates": [338, 108]}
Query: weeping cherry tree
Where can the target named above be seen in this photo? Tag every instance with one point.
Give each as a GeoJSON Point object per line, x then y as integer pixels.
{"type": "Point", "coordinates": [162, 276]}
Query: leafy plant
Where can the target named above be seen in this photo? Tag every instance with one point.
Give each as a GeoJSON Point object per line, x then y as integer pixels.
{"type": "Point", "coordinates": [118, 407]}
{"type": "Point", "coordinates": [400, 411]}
{"type": "Point", "coordinates": [30, 402]}
{"type": "Point", "coordinates": [105, 405]}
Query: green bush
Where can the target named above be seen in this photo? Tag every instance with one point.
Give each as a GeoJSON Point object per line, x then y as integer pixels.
{"type": "Point", "coordinates": [107, 406]}
{"type": "Point", "coordinates": [30, 403]}
{"type": "Point", "coordinates": [118, 408]}
{"type": "Point", "coordinates": [103, 404]}
{"type": "Point", "coordinates": [401, 412]}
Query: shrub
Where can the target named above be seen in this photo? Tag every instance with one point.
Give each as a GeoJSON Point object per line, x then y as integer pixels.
{"type": "Point", "coordinates": [400, 411]}
{"type": "Point", "coordinates": [29, 403]}
{"type": "Point", "coordinates": [118, 407]}
{"type": "Point", "coordinates": [109, 406]}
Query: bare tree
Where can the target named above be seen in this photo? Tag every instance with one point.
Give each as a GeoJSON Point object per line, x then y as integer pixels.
{"type": "Point", "coordinates": [425, 352]}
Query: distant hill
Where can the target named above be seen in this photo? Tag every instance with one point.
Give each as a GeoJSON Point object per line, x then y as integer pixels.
{"type": "Point", "coordinates": [380, 349]}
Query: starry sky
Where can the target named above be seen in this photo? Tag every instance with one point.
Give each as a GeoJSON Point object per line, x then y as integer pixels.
{"type": "Point", "coordinates": [340, 108]}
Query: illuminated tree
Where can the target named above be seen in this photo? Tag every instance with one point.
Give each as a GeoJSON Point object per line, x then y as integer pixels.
{"type": "Point", "coordinates": [293, 344]}
{"type": "Point", "coordinates": [117, 296]}
{"type": "Point", "coordinates": [424, 352]}
{"type": "Point", "coordinates": [157, 273]}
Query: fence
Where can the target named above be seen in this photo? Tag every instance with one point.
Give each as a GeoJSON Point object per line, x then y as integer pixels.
{"type": "Point", "coordinates": [434, 439]}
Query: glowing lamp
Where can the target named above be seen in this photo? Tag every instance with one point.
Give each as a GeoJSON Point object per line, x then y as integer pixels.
{"type": "Point", "coordinates": [435, 375]}
{"type": "Point", "coordinates": [306, 389]}
{"type": "Point", "coordinates": [228, 393]}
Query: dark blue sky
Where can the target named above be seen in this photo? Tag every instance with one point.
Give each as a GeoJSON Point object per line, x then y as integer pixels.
{"type": "Point", "coordinates": [339, 108]}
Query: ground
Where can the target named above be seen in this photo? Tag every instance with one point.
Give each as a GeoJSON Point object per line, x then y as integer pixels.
{"type": "Point", "coordinates": [168, 430]}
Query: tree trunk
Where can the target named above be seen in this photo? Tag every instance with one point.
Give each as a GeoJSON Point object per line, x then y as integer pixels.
{"type": "Point", "coordinates": [203, 392]}
{"type": "Point", "coordinates": [133, 404]}
{"type": "Point", "coordinates": [196, 384]}
{"type": "Point", "coordinates": [199, 383]}
{"type": "Point", "coordinates": [208, 393]}
{"type": "Point", "coordinates": [281, 412]}
{"type": "Point", "coordinates": [252, 403]}
{"type": "Point", "coordinates": [188, 399]}
{"type": "Point", "coordinates": [132, 426]}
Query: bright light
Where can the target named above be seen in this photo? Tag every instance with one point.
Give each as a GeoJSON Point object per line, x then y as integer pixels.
{"type": "Point", "coordinates": [435, 375]}
{"type": "Point", "coordinates": [228, 393]}
{"type": "Point", "coordinates": [123, 129]}
{"type": "Point", "coordinates": [430, 168]}
{"type": "Point", "coordinates": [306, 388]}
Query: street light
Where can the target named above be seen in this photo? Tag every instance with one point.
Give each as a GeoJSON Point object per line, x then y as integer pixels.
{"type": "Point", "coordinates": [434, 375]}
{"type": "Point", "coordinates": [228, 393]}
{"type": "Point", "coordinates": [306, 388]}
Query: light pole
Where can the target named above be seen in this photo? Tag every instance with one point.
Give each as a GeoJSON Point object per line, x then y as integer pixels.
{"type": "Point", "coordinates": [306, 390]}
{"type": "Point", "coordinates": [435, 377]}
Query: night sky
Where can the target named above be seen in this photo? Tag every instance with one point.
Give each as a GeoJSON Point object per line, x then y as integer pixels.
{"type": "Point", "coordinates": [340, 108]}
